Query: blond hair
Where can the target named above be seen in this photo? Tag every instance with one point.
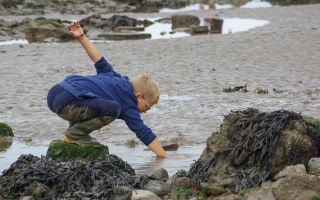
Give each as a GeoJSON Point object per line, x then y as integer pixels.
{"type": "Point", "coordinates": [147, 86]}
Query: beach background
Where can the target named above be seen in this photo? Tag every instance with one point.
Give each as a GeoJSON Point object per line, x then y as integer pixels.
{"type": "Point", "coordinates": [281, 56]}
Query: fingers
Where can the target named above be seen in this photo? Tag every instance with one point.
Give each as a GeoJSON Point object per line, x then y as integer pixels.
{"type": "Point", "coordinates": [74, 25]}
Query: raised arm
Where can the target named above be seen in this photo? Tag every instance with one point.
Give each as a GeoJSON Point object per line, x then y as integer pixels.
{"type": "Point", "coordinates": [77, 32]}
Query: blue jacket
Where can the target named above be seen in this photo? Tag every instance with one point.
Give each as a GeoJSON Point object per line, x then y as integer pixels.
{"type": "Point", "coordinates": [110, 85]}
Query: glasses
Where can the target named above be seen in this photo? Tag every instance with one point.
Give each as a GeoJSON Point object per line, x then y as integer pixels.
{"type": "Point", "coordinates": [147, 105]}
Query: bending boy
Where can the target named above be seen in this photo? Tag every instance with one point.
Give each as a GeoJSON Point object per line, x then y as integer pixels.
{"type": "Point", "coordinates": [91, 102]}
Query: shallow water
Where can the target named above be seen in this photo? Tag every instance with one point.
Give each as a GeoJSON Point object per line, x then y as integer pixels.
{"type": "Point", "coordinates": [139, 157]}
{"type": "Point", "coordinates": [197, 6]}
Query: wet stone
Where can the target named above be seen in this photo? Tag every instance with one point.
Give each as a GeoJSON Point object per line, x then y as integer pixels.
{"type": "Point", "coordinates": [158, 187]}
{"type": "Point", "coordinates": [67, 151]}
{"type": "Point", "coordinates": [160, 174]}
{"type": "Point", "coordinates": [314, 166]}
{"type": "Point", "coordinates": [144, 195]}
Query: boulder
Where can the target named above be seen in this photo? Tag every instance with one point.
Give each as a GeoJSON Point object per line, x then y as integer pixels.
{"type": "Point", "coordinates": [182, 21]}
{"type": "Point", "coordinates": [291, 187]}
{"type": "Point", "coordinates": [159, 188]}
{"type": "Point", "coordinates": [159, 174]}
{"type": "Point", "coordinates": [314, 166]}
{"type": "Point", "coordinates": [144, 195]}
{"type": "Point", "coordinates": [67, 151]}
{"type": "Point", "coordinates": [252, 147]}
{"type": "Point", "coordinates": [215, 24]}
{"type": "Point", "coordinates": [41, 29]}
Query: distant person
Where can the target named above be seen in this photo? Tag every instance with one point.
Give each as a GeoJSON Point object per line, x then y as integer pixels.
{"type": "Point", "coordinates": [212, 5]}
{"type": "Point", "coordinates": [91, 102]}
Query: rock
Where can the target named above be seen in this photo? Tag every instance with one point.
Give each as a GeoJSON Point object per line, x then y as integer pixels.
{"type": "Point", "coordinates": [128, 28]}
{"type": "Point", "coordinates": [160, 174]}
{"type": "Point", "coordinates": [5, 142]}
{"type": "Point", "coordinates": [215, 24]}
{"type": "Point", "coordinates": [182, 182]}
{"type": "Point", "coordinates": [160, 188]}
{"type": "Point", "coordinates": [40, 29]}
{"type": "Point", "coordinates": [181, 21]}
{"type": "Point", "coordinates": [67, 151]}
{"type": "Point", "coordinates": [123, 193]}
{"type": "Point", "coordinates": [236, 89]}
{"type": "Point", "coordinates": [199, 30]}
{"type": "Point", "coordinates": [314, 166]}
{"type": "Point", "coordinates": [144, 195]}
{"type": "Point", "coordinates": [164, 20]}
{"type": "Point", "coordinates": [228, 196]}
{"type": "Point", "coordinates": [258, 194]}
{"type": "Point", "coordinates": [171, 147]}
{"type": "Point", "coordinates": [212, 189]}
{"type": "Point", "coordinates": [122, 20]}
{"type": "Point", "coordinates": [261, 91]}
{"type": "Point", "coordinates": [293, 186]}
{"type": "Point", "coordinates": [291, 170]}
{"type": "Point", "coordinates": [5, 130]}
{"type": "Point", "coordinates": [308, 195]}
{"type": "Point", "coordinates": [125, 36]}
{"type": "Point", "coordinates": [252, 147]}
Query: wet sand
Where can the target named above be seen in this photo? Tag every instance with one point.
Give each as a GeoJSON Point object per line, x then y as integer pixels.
{"type": "Point", "coordinates": [191, 72]}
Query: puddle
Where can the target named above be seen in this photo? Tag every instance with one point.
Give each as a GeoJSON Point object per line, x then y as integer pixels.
{"type": "Point", "coordinates": [234, 25]}
{"type": "Point", "coordinates": [194, 7]}
{"type": "Point", "coordinates": [141, 159]}
{"type": "Point", "coordinates": [230, 25]}
{"type": "Point", "coordinates": [198, 6]}
{"type": "Point", "coordinates": [11, 42]}
{"type": "Point", "coordinates": [257, 4]}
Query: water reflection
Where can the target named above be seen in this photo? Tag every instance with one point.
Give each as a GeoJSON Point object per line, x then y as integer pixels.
{"type": "Point", "coordinates": [139, 157]}
{"type": "Point", "coordinates": [11, 42]}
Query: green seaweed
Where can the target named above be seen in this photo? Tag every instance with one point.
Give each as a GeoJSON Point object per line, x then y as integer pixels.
{"type": "Point", "coordinates": [315, 123]}
{"type": "Point", "coordinates": [5, 130]}
{"type": "Point", "coordinates": [67, 151]}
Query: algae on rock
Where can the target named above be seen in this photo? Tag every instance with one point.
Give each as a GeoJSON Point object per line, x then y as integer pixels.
{"type": "Point", "coordinates": [67, 151]}
{"type": "Point", "coordinates": [5, 130]}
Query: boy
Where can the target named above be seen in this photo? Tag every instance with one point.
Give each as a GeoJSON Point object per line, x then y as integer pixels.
{"type": "Point", "coordinates": [91, 102]}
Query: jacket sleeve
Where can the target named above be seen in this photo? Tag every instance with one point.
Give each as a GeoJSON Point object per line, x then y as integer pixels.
{"type": "Point", "coordinates": [133, 120]}
{"type": "Point", "coordinates": [102, 66]}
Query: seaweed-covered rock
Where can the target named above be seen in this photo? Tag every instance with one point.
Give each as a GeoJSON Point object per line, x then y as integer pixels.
{"type": "Point", "coordinates": [108, 177]}
{"type": "Point", "coordinates": [252, 146]}
{"type": "Point", "coordinates": [6, 135]}
{"type": "Point", "coordinates": [5, 130]}
{"type": "Point", "coordinates": [67, 151]}
{"type": "Point", "coordinates": [181, 21]}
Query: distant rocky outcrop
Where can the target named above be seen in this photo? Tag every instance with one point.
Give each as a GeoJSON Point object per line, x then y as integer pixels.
{"type": "Point", "coordinates": [40, 7]}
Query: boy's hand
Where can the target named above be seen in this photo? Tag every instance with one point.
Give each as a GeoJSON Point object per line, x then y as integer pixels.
{"type": "Point", "coordinates": [75, 30]}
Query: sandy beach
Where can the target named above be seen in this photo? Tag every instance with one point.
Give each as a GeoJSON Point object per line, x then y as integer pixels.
{"type": "Point", "coordinates": [191, 72]}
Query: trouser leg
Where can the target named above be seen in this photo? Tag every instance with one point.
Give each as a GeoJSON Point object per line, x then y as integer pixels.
{"type": "Point", "coordinates": [86, 116]}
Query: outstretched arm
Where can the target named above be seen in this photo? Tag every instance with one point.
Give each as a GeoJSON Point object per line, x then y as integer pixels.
{"type": "Point", "coordinates": [156, 147]}
{"type": "Point", "coordinates": [77, 32]}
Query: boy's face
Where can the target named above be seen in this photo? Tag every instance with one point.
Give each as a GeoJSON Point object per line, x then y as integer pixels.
{"type": "Point", "coordinates": [143, 104]}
